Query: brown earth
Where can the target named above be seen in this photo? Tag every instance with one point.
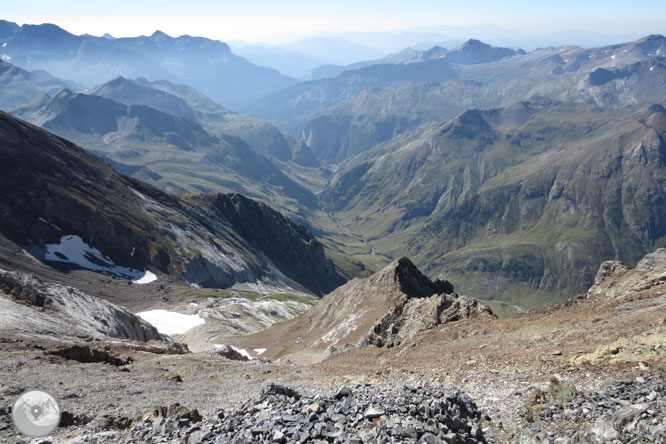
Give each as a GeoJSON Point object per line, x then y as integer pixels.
{"type": "Point", "coordinates": [618, 332]}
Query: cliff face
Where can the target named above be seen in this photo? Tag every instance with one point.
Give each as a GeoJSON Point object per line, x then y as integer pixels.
{"type": "Point", "coordinates": [521, 203]}
{"type": "Point", "coordinates": [290, 247]}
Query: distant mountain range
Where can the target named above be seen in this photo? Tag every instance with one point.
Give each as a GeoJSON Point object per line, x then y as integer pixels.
{"type": "Point", "coordinates": [184, 101]}
{"type": "Point", "coordinates": [205, 64]}
{"type": "Point", "coordinates": [615, 76]}
{"type": "Point", "coordinates": [18, 86]}
{"type": "Point", "coordinates": [332, 85]}
{"type": "Point", "coordinates": [471, 52]}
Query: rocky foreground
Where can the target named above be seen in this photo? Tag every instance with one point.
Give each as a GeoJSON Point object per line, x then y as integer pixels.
{"type": "Point", "coordinates": [591, 370]}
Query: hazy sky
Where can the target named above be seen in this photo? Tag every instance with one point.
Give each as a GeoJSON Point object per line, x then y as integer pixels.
{"type": "Point", "coordinates": [283, 20]}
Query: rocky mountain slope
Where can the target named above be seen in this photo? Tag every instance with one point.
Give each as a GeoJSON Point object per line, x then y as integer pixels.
{"type": "Point", "coordinates": [523, 202]}
{"type": "Point", "coordinates": [67, 206]}
{"type": "Point", "coordinates": [614, 76]}
{"type": "Point", "coordinates": [590, 370]}
{"type": "Point", "coordinates": [208, 65]}
{"type": "Point", "coordinates": [305, 98]}
{"type": "Point", "coordinates": [171, 146]}
{"type": "Point", "coordinates": [34, 310]}
{"type": "Point", "coordinates": [18, 86]}
{"type": "Point", "coordinates": [382, 310]}
{"type": "Point", "coordinates": [184, 101]}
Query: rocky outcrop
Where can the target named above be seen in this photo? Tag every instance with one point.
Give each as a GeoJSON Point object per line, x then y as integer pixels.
{"type": "Point", "coordinates": [609, 268]}
{"type": "Point", "coordinates": [383, 310]}
{"type": "Point", "coordinates": [655, 261]}
{"type": "Point", "coordinates": [420, 314]}
{"type": "Point", "coordinates": [32, 309]}
{"type": "Point", "coordinates": [615, 280]}
{"type": "Point", "coordinates": [230, 353]}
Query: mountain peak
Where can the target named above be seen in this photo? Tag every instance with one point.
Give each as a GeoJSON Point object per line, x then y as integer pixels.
{"type": "Point", "coordinates": [159, 35]}
{"type": "Point", "coordinates": [118, 80]}
{"type": "Point", "coordinates": [652, 37]}
{"type": "Point", "coordinates": [66, 92]}
{"type": "Point", "coordinates": [8, 28]}
{"type": "Point", "coordinates": [402, 275]}
{"type": "Point", "coordinates": [474, 52]}
{"type": "Point", "coordinates": [474, 43]}
{"type": "Point", "coordinates": [469, 125]}
{"type": "Point", "coordinates": [657, 108]}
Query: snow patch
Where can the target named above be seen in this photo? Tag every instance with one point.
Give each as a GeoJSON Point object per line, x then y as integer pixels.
{"type": "Point", "coordinates": [260, 351]}
{"type": "Point", "coordinates": [147, 278]}
{"type": "Point", "coordinates": [243, 352]}
{"type": "Point", "coordinates": [139, 195]}
{"type": "Point", "coordinates": [132, 252]}
{"type": "Point", "coordinates": [6, 57]}
{"type": "Point", "coordinates": [341, 330]}
{"type": "Point", "coordinates": [651, 68]}
{"type": "Point", "coordinates": [170, 322]}
{"type": "Point", "coordinates": [73, 250]}
{"type": "Point", "coordinates": [4, 45]}
{"type": "Point", "coordinates": [194, 304]}
{"type": "Point", "coordinates": [41, 219]}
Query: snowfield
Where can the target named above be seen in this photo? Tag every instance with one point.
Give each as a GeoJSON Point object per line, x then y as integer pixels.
{"type": "Point", "coordinates": [170, 322]}
{"type": "Point", "coordinates": [147, 278]}
{"type": "Point", "coordinates": [72, 249]}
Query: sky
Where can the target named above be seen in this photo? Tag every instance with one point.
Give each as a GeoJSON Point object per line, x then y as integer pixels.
{"type": "Point", "coordinates": [274, 21]}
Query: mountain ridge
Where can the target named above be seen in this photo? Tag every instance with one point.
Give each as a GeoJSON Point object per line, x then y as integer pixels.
{"type": "Point", "coordinates": [159, 56]}
{"type": "Point", "coordinates": [540, 197]}
{"type": "Point", "coordinates": [133, 224]}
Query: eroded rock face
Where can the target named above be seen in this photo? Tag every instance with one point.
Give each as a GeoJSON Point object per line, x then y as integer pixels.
{"type": "Point", "coordinates": [385, 309]}
{"type": "Point", "coordinates": [615, 280]}
{"type": "Point", "coordinates": [420, 314]}
{"type": "Point", "coordinates": [32, 309]}
{"type": "Point", "coordinates": [655, 261]}
{"type": "Point", "coordinates": [51, 189]}
{"type": "Point", "coordinates": [609, 268]}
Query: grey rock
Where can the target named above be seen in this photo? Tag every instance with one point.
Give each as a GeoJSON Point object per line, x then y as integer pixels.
{"type": "Point", "coordinates": [230, 353]}
{"type": "Point", "coordinates": [373, 412]}
{"type": "Point", "coordinates": [608, 268]}
{"type": "Point", "coordinates": [623, 417]}
{"type": "Point", "coordinates": [32, 309]}
{"type": "Point", "coordinates": [278, 437]}
{"type": "Point", "coordinates": [343, 392]}
{"type": "Point", "coordinates": [655, 261]}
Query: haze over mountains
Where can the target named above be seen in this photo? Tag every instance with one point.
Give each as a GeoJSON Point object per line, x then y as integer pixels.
{"type": "Point", "coordinates": [208, 65]}
{"type": "Point", "coordinates": [379, 158]}
{"type": "Point", "coordinates": [198, 248]}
